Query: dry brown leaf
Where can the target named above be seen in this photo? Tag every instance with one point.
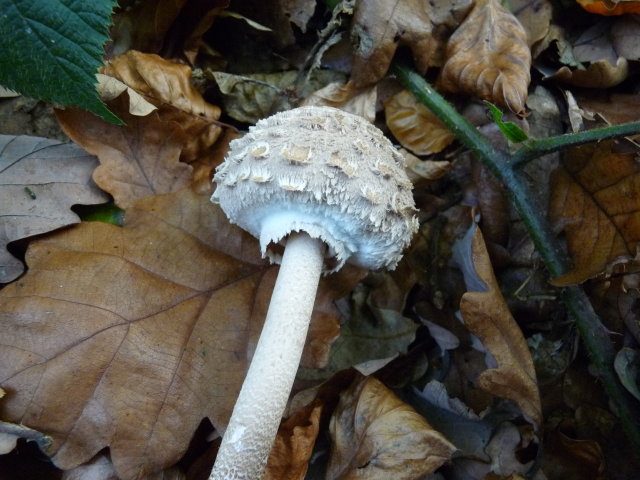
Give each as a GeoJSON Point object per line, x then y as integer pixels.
{"type": "Point", "coordinates": [420, 171]}
{"type": "Point", "coordinates": [40, 180]}
{"type": "Point", "coordinates": [380, 27]}
{"type": "Point", "coordinates": [136, 160]}
{"type": "Point", "coordinates": [617, 109]}
{"type": "Point", "coordinates": [168, 86]}
{"type": "Point", "coordinates": [173, 26]}
{"type": "Point", "coordinates": [291, 452]}
{"type": "Point", "coordinates": [376, 436]}
{"type": "Point", "coordinates": [600, 74]}
{"type": "Point", "coordinates": [511, 373]}
{"type": "Point", "coordinates": [359, 101]}
{"type": "Point", "coordinates": [488, 56]}
{"type": "Point", "coordinates": [595, 199]}
{"type": "Point", "coordinates": [150, 325]}
{"type": "Point", "coordinates": [415, 126]}
{"type": "Point", "coordinates": [109, 88]}
{"type": "Point", "coordinates": [535, 17]}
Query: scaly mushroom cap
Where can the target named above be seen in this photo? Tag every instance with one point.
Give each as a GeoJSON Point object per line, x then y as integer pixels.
{"type": "Point", "coordinates": [326, 172]}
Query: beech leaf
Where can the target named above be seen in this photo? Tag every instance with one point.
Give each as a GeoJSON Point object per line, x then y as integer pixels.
{"type": "Point", "coordinates": [40, 180]}
{"type": "Point", "coordinates": [151, 325]}
{"type": "Point", "coordinates": [377, 436]}
{"type": "Point", "coordinates": [380, 27]}
{"type": "Point", "coordinates": [488, 56]}
{"type": "Point", "coordinates": [511, 373]}
{"type": "Point", "coordinates": [595, 199]}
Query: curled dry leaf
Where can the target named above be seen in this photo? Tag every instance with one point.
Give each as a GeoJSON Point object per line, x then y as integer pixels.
{"type": "Point", "coordinates": [167, 85]}
{"type": "Point", "coordinates": [291, 452]}
{"type": "Point", "coordinates": [136, 161]}
{"type": "Point", "coordinates": [595, 199]}
{"type": "Point", "coordinates": [377, 436]}
{"type": "Point", "coordinates": [488, 56]}
{"type": "Point", "coordinates": [110, 88]}
{"type": "Point", "coordinates": [380, 27]}
{"type": "Point", "coordinates": [600, 74]}
{"type": "Point", "coordinates": [151, 326]}
{"type": "Point", "coordinates": [511, 372]}
{"type": "Point", "coordinates": [40, 180]}
{"type": "Point", "coordinates": [415, 126]}
{"type": "Point", "coordinates": [347, 97]}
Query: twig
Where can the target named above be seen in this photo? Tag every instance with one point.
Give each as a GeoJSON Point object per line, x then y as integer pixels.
{"type": "Point", "coordinates": [593, 333]}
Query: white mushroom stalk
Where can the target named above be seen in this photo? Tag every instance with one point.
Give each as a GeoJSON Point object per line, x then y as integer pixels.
{"type": "Point", "coordinates": [331, 187]}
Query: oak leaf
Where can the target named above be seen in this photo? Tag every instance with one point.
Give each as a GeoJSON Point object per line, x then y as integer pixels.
{"type": "Point", "coordinates": [488, 56]}
{"type": "Point", "coordinates": [511, 373]}
{"type": "Point", "coordinates": [136, 161]}
{"type": "Point", "coordinates": [150, 325]}
{"type": "Point", "coordinates": [377, 436]}
{"type": "Point", "coordinates": [415, 126]}
{"type": "Point", "coordinates": [40, 180]}
{"type": "Point", "coordinates": [595, 199]}
{"type": "Point", "coordinates": [380, 27]}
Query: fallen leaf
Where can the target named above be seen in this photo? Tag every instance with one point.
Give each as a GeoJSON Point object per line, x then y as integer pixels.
{"type": "Point", "coordinates": [299, 12]}
{"type": "Point", "coordinates": [503, 450]}
{"type": "Point", "coordinates": [371, 333]}
{"type": "Point", "coordinates": [572, 459]}
{"type": "Point", "coordinates": [40, 180]}
{"type": "Point", "coordinates": [136, 161]}
{"type": "Point", "coordinates": [610, 7]}
{"type": "Point", "coordinates": [173, 27]}
{"type": "Point", "coordinates": [535, 17]}
{"type": "Point", "coordinates": [420, 171]}
{"type": "Point", "coordinates": [624, 35]}
{"type": "Point", "coordinates": [488, 56]}
{"type": "Point", "coordinates": [600, 74]}
{"type": "Point", "coordinates": [595, 200]}
{"type": "Point", "coordinates": [415, 126]}
{"type": "Point", "coordinates": [248, 98]}
{"type": "Point", "coordinates": [375, 436]}
{"type": "Point", "coordinates": [291, 452]}
{"type": "Point", "coordinates": [150, 325]}
{"type": "Point", "coordinates": [627, 367]}
{"type": "Point", "coordinates": [110, 88]}
{"type": "Point", "coordinates": [379, 27]}
{"type": "Point", "coordinates": [616, 109]}
{"type": "Point", "coordinates": [347, 97]}
{"type": "Point", "coordinates": [453, 418]}
{"type": "Point", "coordinates": [167, 85]}
{"type": "Point", "coordinates": [511, 372]}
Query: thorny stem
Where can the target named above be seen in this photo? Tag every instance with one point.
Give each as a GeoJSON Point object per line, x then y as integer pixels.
{"type": "Point", "coordinates": [535, 148]}
{"type": "Point", "coordinates": [593, 333]}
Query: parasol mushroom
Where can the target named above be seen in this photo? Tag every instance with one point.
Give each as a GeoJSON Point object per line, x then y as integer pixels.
{"type": "Point", "coordinates": [331, 188]}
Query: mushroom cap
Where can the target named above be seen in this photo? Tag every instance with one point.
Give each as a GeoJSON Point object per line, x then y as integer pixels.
{"type": "Point", "coordinates": [326, 172]}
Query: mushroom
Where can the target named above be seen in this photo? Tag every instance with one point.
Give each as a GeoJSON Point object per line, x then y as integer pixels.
{"type": "Point", "coordinates": [331, 188]}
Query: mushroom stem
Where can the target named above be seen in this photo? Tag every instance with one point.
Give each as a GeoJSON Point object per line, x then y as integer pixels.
{"type": "Point", "coordinates": [256, 416]}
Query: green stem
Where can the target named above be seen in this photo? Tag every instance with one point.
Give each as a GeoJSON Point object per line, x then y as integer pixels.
{"type": "Point", "coordinates": [535, 148]}
{"type": "Point", "coordinates": [593, 333]}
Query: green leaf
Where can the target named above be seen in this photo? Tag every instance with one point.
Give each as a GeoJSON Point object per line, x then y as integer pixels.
{"type": "Point", "coordinates": [509, 129]}
{"type": "Point", "coordinates": [51, 50]}
{"type": "Point", "coordinates": [105, 212]}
